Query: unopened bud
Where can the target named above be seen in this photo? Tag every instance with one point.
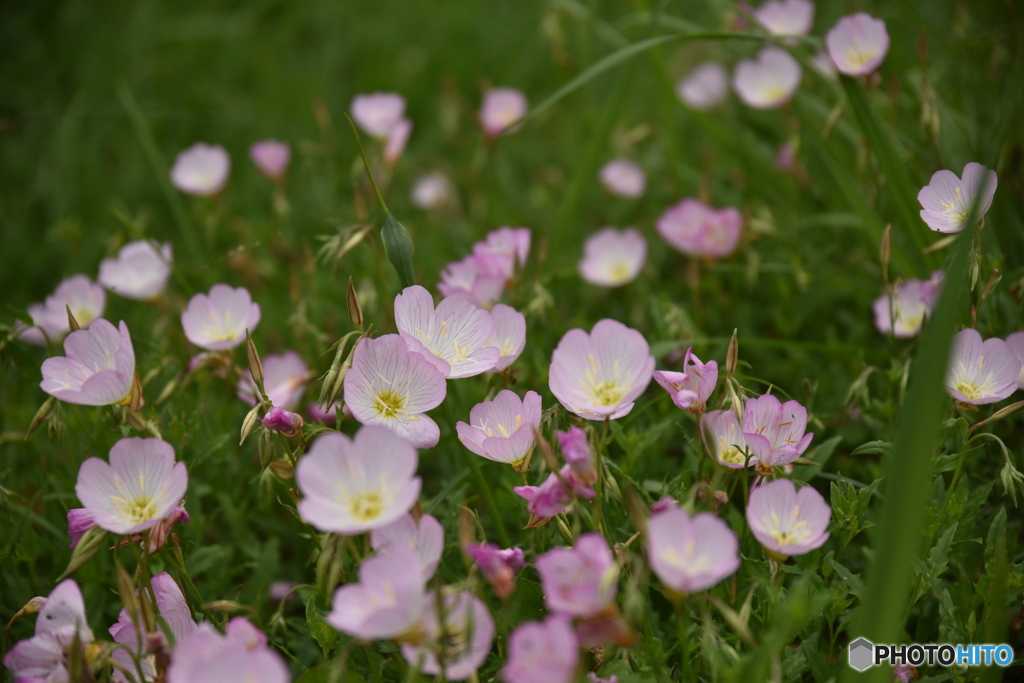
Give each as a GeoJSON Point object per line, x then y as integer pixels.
{"type": "Point", "coordinates": [166, 392]}
{"type": "Point", "coordinates": [72, 323]}
{"type": "Point", "coordinates": [126, 588]}
{"type": "Point", "coordinates": [283, 468]}
{"type": "Point", "coordinates": [289, 424]}
{"type": "Point", "coordinates": [266, 448]}
{"type": "Point", "coordinates": [87, 547]}
{"type": "Point", "coordinates": [467, 527]}
{"type": "Point", "coordinates": [255, 364]}
{"type": "Point", "coordinates": [732, 354]}
{"type": "Point", "coordinates": [135, 399]}
{"type": "Point", "coordinates": [227, 606]}
{"type": "Point", "coordinates": [355, 312]}
{"type": "Point", "coordinates": [251, 418]}
{"type": "Point", "coordinates": [41, 415]}
{"type": "Point", "coordinates": [136, 420]}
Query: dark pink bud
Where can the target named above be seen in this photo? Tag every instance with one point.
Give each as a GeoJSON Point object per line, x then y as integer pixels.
{"type": "Point", "coordinates": [281, 420]}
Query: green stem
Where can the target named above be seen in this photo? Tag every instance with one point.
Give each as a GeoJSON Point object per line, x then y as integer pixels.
{"type": "Point", "coordinates": [488, 496]}
{"type": "Point", "coordinates": [598, 505]}
{"type": "Point", "coordinates": [646, 643]}
{"type": "Point", "coordinates": [684, 641]}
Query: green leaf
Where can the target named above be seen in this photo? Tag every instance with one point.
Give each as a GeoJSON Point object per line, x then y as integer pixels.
{"type": "Point", "coordinates": [325, 636]}
{"type": "Point", "coordinates": [322, 674]}
{"type": "Point", "coordinates": [820, 455]}
{"type": "Point", "coordinates": [525, 604]}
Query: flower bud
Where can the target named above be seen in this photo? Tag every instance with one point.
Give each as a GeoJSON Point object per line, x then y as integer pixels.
{"type": "Point", "coordinates": [266, 448]}
{"type": "Point", "coordinates": [135, 399]}
{"type": "Point", "coordinates": [40, 416]}
{"type": "Point", "coordinates": [255, 364]}
{"type": "Point", "coordinates": [355, 312]}
{"type": "Point", "coordinates": [732, 353]}
{"type": "Point", "coordinates": [251, 418]}
{"type": "Point", "coordinates": [87, 547]}
{"type": "Point", "coordinates": [289, 424]}
{"type": "Point", "coordinates": [72, 323]}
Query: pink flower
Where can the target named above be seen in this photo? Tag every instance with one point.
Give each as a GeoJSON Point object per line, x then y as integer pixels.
{"type": "Point", "coordinates": [377, 113]}
{"type": "Point", "coordinates": [911, 302]}
{"type": "Point", "coordinates": [691, 554]}
{"type": "Point", "coordinates": [509, 335]}
{"type": "Point", "coordinates": [271, 157]}
{"type": "Point", "coordinates": [500, 109]}
{"type": "Point", "coordinates": [498, 566]}
{"type": "Point", "coordinates": [980, 373]}
{"type": "Point", "coordinates": [329, 416]}
{"type": "Point", "coordinates": [425, 537]}
{"type": "Point", "coordinates": [219, 320]}
{"type": "Point", "coordinates": [904, 673]}
{"type": "Point", "coordinates": [281, 420]}
{"type": "Point", "coordinates": [242, 654]}
{"type": "Point", "coordinates": [140, 486]}
{"type": "Point", "coordinates": [785, 521]}
{"type": "Point", "coordinates": [173, 611]}
{"type": "Point", "coordinates": [857, 44]}
{"type": "Point", "coordinates": [665, 503]}
{"type": "Point", "coordinates": [41, 658]}
{"type": "Point", "coordinates": [599, 375]}
{"type": "Point", "coordinates": [624, 178]}
{"type": "Point", "coordinates": [86, 300]}
{"type": "Point", "coordinates": [138, 272]}
{"type": "Point", "coordinates": [774, 431]}
{"type": "Point", "coordinates": [352, 486]}
{"type": "Point", "coordinates": [612, 258]}
{"type": "Point", "coordinates": [457, 332]}
{"type": "Point", "coordinates": [396, 140]}
{"type": "Point", "coordinates": [465, 636]}
{"type": "Point", "coordinates": [431, 191]}
{"type": "Point", "coordinates": [786, 17]}
{"type": "Point", "coordinates": [546, 500]}
{"type": "Point", "coordinates": [695, 228]}
{"type": "Point", "coordinates": [502, 251]}
{"type": "Point", "coordinates": [1015, 342]}
{"type": "Point", "coordinates": [80, 520]}
{"type": "Point", "coordinates": [593, 678]}
{"type": "Point", "coordinates": [387, 602]}
{"type": "Point", "coordinates": [769, 81]}
{"type": "Point", "coordinates": [201, 170]}
{"type": "Point", "coordinates": [281, 590]}
{"type": "Point", "coordinates": [542, 652]}
{"type": "Point", "coordinates": [469, 277]}
{"type": "Point", "coordinates": [947, 199]}
{"type": "Point", "coordinates": [577, 454]}
{"type": "Point", "coordinates": [392, 386]}
{"type": "Point", "coordinates": [284, 377]}
{"type": "Point", "coordinates": [723, 437]}
{"type": "Point", "coordinates": [580, 581]}
{"type": "Point", "coordinates": [785, 158]}
{"type": "Point", "coordinates": [502, 430]}
{"type": "Point", "coordinates": [705, 87]}
{"type": "Point", "coordinates": [98, 369]}
{"type": "Point", "coordinates": [690, 389]}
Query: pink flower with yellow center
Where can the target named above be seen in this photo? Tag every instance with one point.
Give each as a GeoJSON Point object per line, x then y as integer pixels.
{"type": "Point", "coordinates": [947, 200]}
{"type": "Point", "coordinates": [98, 368]}
{"type": "Point", "coordinates": [769, 81]}
{"type": "Point", "coordinates": [691, 554]}
{"type": "Point", "coordinates": [692, 227]}
{"type": "Point", "coordinates": [502, 430]}
{"type": "Point", "coordinates": [201, 170]}
{"type": "Point", "coordinates": [500, 109]}
{"type": "Point", "coordinates": [981, 372]}
{"type": "Point", "coordinates": [86, 299]}
{"type": "Point", "coordinates": [218, 320]}
{"type": "Point", "coordinates": [786, 521]}
{"type": "Point", "coordinates": [857, 44]}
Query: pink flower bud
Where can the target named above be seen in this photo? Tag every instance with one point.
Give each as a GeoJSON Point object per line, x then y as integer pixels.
{"type": "Point", "coordinates": [281, 420]}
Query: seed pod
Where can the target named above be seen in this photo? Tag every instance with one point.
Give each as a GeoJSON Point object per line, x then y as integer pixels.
{"type": "Point", "coordinates": [250, 421]}
{"type": "Point", "coordinates": [355, 312]}
{"type": "Point", "coordinates": [88, 546]}
{"type": "Point", "coordinates": [135, 399]}
{"type": "Point", "coordinates": [41, 414]}
{"type": "Point", "coordinates": [255, 364]}
{"type": "Point", "coordinates": [732, 353]}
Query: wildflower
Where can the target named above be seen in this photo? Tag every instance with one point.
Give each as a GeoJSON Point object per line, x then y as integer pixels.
{"type": "Point", "coordinates": [60, 619]}
{"type": "Point", "coordinates": [329, 416]}
{"type": "Point", "coordinates": [774, 431]}
{"type": "Point", "coordinates": [665, 503]}
{"type": "Point", "coordinates": [904, 312]}
{"type": "Point", "coordinates": [577, 454]}
{"type": "Point", "coordinates": [580, 581]}
{"type": "Point", "coordinates": [464, 638]}
{"type": "Point", "coordinates": [139, 272]}
{"type": "Point", "coordinates": [431, 191]}
{"type": "Point", "coordinates": [173, 611]}
{"type": "Point", "coordinates": [98, 369]}
{"type": "Point", "coordinates": [785, 521]}
{"type": "Point", "coordinates": [705, 87]}
{"type": "Point", "coordinates": [697, 229]}
{"type": "Point", "coordinates": [612, 258]}
{"type": "Point", "coordinates": [86, 300]}
{"type": "Point", "coordinates": [593, 678]}
{"type": "Point", "coordinates": [785, 158]}
{"type": "Point", "coordinates": [690, 389]}
{"type": "Point", "coordinates": [542, 652]}
{"type": "Point", "coordinates": [80, 520]}
{"type": "Point", "coordinates": [857, 44]}
{"type": "Point", "coordinates": [599, 375]}
{"type": "Point", "coordinates": [980, 373]}
{"type": "Point", "coordinates": [281, 420]}
{"type": "Point", "coordinates": [904, 673]}
{"type": "Point", "coordinates": [281, 590]}
{"type": "Point", "coordinates": [387, 602]}
{"type": "Point", "coordinates": [769, 81]}
{"type": "Point", "coordinates": [201, 170]}
{"type": "Point", "coordinates": [723, 437]}
{"type": "Point", "coordinates": [241, 654]}
{"type": "Point", "coordinates": [502, 430]}
{"type": "Point", "coordinates": [219, 320]}
{"type": "Point", "coordinates": [502, 251]}
{"type": "Point", "coordinates": [786, 17]}
{"type": "Point", "coordinates": [551, 497]}
{"type": "Point", "coordinates": [271, 157]}
{"type": "Point", "coordinates": [284, 377]}
{"type": "Point", "coordinates": [425, 536]}
{"type": "Point", "coordinates": [1015, 342]}
{"type": "Point", "coordinates": [397, 138]}
{"type": "Point", "coordinates": [352, 486]}
{"type": "Point", "coordinates": [377, 113]}
{"type": "Point", "coordinates": [947, 199]}
{"type": "Point", "coordinates": [500, 109]}
{"type": "Point", "coordinates": [498, 566]}
{"type": "Point", "coordinates": [509, 335]}
{"type": "Point", "coordinates": [623, 178]}
{"type": "Point", "coordinates": [469, 277]}
{"type": "Point", "coordinates": [691, 554]}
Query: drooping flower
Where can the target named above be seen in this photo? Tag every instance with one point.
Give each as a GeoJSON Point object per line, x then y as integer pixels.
{"type": "Point", "coordinates": [140, 485]}
{"type": "Point", "coordinates": [98, 368]}
{"type": "Point", "coordinates": [173, 611]}
{"type": "Point", "coordinates": [502, 430]}
{"type": "Point", "coordinates": [774, 431]}
{"type": "Point", "coordinates": [387, 602]}
{"type": "Point", "coordinates": [580, 581]}
{"type": "Point", "coordinates": [577, 454]}
{"type": "Point", "coordinates": [1015, 342]}
{"type": "Point", "coordinates": [509, 335]}
{"type": "Point", "coordinates": [271, 157]}
{"type": "Point", "coordinates": [390, 385]}
{"type": "Point", "coordinates": [218, 320]}
{"type": "Point", "coordinates": [502, 251]}
{"type": "Point", "coordinates": [425, 537]}
{"type": "Point", "coordinates": [464, 638]}
{"type": "Point", "coordinates": [41, 658]}
{"type": "Point", "coordinates": [624, 178]}
{"type": "Point", "coordinates": [981, 373]}
{"type": "Point", "coordinates": [554, 495]}
{"type": "Point", "coordinates": [284, 377]}
{"type": "Point", "coordinates": [500, 109]}
{"type": "Point", "coordinates": [705, 87]}
{"type": "Point", "coordinates": [691, 388]}
{"type": "Point", "coordinates": [352, 486]}
{"type": "Point", "coordinates": [904, 312]}
{"type": "Point", "coordinates": [86, 300]}
{"type": "Point", "coordinates": [396, 140]}
{"type": "Point", "coordinates": [691, 554]}
{"type": "Point", "coordinates": [723, 437]}
{"type": "Point", "coordinates": [139, 272]}
{"type": "Point", "coordinates": [498, 566]}
{"type": "Point", "coordinates": [469, 277]}
{"type": "Point", "coordinates": [599, 375]}
{"type": "Point", "coordinates": [241, 654]}
{"type": "Point", "coordinates": [284, 421]}
{"type": "Point", "coordinates": [697, 229]}
{"type": "Point", "coordinates": [857, 44]}
{"type": "Point", "coordinates": [201, 170]}
{"type": "Point", "coordinates": [377, 113]}
{"type": "Point", "coordinates": [947, 199]}
{"type": "Point", "coordinates": [786, 17]}
{"type": "Point", "coordinates": [769, 81]}
{"type": "Point", "coordinates": [786, 521]}
{"type": "Point", "coordinates": [542, 652]}
{"type": "Point", "coordinates": [612, 258]}
{"type": "Point", "coordinates": [431, 191]}
{"type": "Point", "coordinates": [457, 332]}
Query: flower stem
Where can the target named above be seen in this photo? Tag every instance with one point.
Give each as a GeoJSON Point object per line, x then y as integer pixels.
{"type": "Point", "coordinates": [488, 496]}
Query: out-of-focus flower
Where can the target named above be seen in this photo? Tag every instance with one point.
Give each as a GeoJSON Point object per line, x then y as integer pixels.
{"type": "Point", "coordinates": [501, 108]}
{"type": "Point", "coordinates": [40, 659]}
{"type": "Point", "coordinates": [284, 377]}
{"type": "Point", "coordinates": [284, 421]}
{"type": "Point", "coordinates": [498, 566]}
{"type": "Point", "coordinates": [947, 199]}
{"type": "Point", "coordinates": [665, 502]}
{"type": "Point", "coordinates": [691, 554]}
{"type": "Point", "coordinates": [774, 431]}
{"type": "Point", "coordinates": [159, 534]}
{"type": "Point", "coordinates": [242, 654]}
{"type": "Point", "coordinates": [328, 416]}
{"type": "Point", "coordinates": [577, 454]}
{"type": "Point", "coordinates": [138, 272]}
{"type": "Point", "coordinates": [281, 590]}
{"type": "Point", "coordinates": [612, 258]}
{"type": "Point", "coordinates": [464, 638]}
{"type": "Point", "coordinates": [201, 170]}
{"type": "Point", "coordinates": [600, 374]}
{"type": "Point", "coordinates": [352, 486]}
{"type": "Point", "coordinates": [542, 652]}
{"type": "Point", "coordinates": [396, 140]}
{"type": "Point", "coordinates": [624, 178]}
{"type": "Point", "coordinates": [769, 81]}
{"type": "Point", "coordinates": [388, 600]}
{"type": "Point", "coordinates": [980, 372]}
{"type": "Point", "coordinates": [823, 64]}
{"type": "Point", "coordinates": [425, 536]}
{"type": "Point", "coordinates": [691, 388]}
{"type": "Point", "coordinates": [390, 385]}
{"type": "Point", "coordinates": [580, 581]}
{"type": "Point", "coordinates": [431, 191]}
{"type": "Point", "coordinates": [98, 368]}
{"type": "Point", "coordinates": [904, 673]}
{"type": "Point", "coordinates": [904, 312]}
{"type": "Point", "coordinates": [694, 228]}
{"type": "Point", "coordinates": [509, 335]}
{"type": "Point", "coordinates": [785, 521]}
{"type": "Point", "coordinates": [503, 250]}
{"type": "Point", "coordinates": [86, 300]}
{"type": "Point", "coordinates": [594, 678]}
{"type": "Point", "coordinates": [271, 157]}
{"type": "Point", "coordinates": [173, 611]}
{"type": "Point", "coordinates": [705, 87]}
{"type": "Point", "coordinates": [723, 437]}
{"type": "Point", "coordinates": [218, 320]}
{"type": "Point", "coordinates": [80, 520]}
{"type": "Point", "coordinates": [785, 158]}
{"type": "Point", "coordinates": [552, 496]}
{"type": "Point", "coordinates": [786, 17]}
{"type": "Point", "coordinates": [469, 277]}
{"type": "Point", "coordinates": [857, 44]}
{"type": "Point", "coordinates": [502, 430]}
{"type": "Point", "coordinates": [606, 627]}
{"type": "Point", "coordinates": [377, 113]}
{"type": "Point", "coordinates": [1015, 342]}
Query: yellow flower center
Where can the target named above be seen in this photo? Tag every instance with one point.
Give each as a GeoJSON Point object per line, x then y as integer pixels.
{"type": "Point", "coordinates": [366, 507]}
{"type": "Point", "coordinates": [389, 403]}
{"type": "Point", "coordinates": [608, 393]}
{"type": "Point", "coordinates": [790, 534]}
{"type": "Point", "coordinates": [136, 510]}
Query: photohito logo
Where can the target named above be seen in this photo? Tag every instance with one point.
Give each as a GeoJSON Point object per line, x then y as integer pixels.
{"type": "Point", "coordinates": [863, 654]}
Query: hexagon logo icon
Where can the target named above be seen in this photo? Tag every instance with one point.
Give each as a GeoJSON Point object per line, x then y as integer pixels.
{"type": "Point", "coordinates": [862, 654]}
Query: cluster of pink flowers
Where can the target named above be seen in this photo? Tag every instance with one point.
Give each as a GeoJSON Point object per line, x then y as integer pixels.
{"type": "Point", "coordinates": [382, 116]}
{"type": "Point", "coordinates": [487, 271]}
{"type": "Point", "coordinates": [772, 434]}
{"type": "Point", "coordinates": [558, 491]}
{"type": "Point", "coordinates": [696, 229]}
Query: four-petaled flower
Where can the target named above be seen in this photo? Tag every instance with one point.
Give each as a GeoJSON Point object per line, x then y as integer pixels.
{"type": "Point", "coordinates": [387, 602]}
{"type": "Point", "coordinates": [691, 554]}
{"type": "Point", "coordinates": [139, 272]}
{"type": "Point", "coordinates": [691, 388]}
{"type": "Point", "coordinates": [218, 320]}
{"type": "Point", "coordinates": [612, 258]}
{"type": "Point", "coordinates": [99, 367]}
{"type": "Point", "coordinates": [503, 429]}
{"type": "Point", "coordinates": [786, 521]}
{"type": "Point", "coordinates": [857, 44]}
{"type": "Point", "coordinates": [86, 299]}
{"type": "Point", "coordinates": [981, 372]}
{"type": "Point", "coordinates": [542, 652]}
{"type": "Point", "coordinates": [769, 81]}
{"type": "Point", "coordinates": [948, 200]}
